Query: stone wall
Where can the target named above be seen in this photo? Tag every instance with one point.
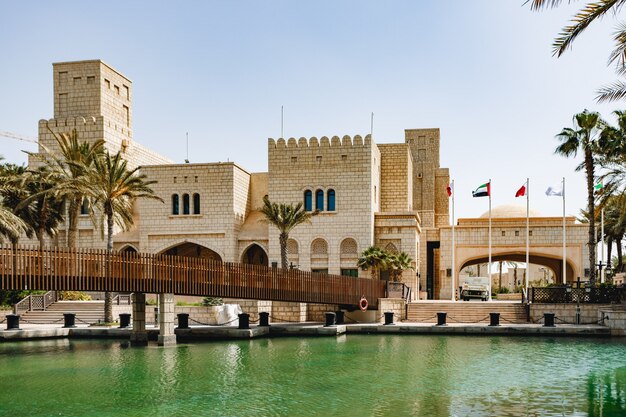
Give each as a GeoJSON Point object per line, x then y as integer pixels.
{"type": "Point", "coordinates": [396, 180]}
{"type": "Point", "coordinates": [253, 307]}
{"type": "Point", "coordinates": [615, 320]}
{"type": "Point", "coordinates": [288, 312]}
{"type": "Point", "coordinates": [567, 312]}
{"type": "Point", "coordinates": [395, 305]}
{"type": "Point", "coordinates": [316, 312]}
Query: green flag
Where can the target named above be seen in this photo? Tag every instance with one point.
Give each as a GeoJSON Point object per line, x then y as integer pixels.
{"type": "Point", "coordinates": [597, 187]}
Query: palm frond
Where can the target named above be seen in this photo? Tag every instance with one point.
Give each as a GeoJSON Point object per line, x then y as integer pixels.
{"type": "Point", "coordinates": [544, 4]}
{"type": "Point", "coordinates": [612, 92]}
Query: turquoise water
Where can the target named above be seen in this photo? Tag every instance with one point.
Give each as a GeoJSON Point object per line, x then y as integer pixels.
{"type": "Point", "coordinates": [348, 376]}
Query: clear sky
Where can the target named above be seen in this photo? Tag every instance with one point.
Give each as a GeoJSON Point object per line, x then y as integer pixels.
{"type": "Point", "coordinates": [481, 71]}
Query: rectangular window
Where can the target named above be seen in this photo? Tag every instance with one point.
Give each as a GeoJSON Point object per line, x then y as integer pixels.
{"type": "Point", "coordinates": [350, 272]}
{"type": "Point", "coordinates": [318, 158]}
{"type": "Point", "coordinates": [517, 233]}
{"type": "Point", "coordinates": [62, 103]}
{"type": "Point", "coordinates": [91, 79]}
{"type": "Point", "coordinates": [503, 233]}
{"type": "Point", "coordinates": [530, 233]}
{"type": "Point", "coordinates": [127, 92]}
{"type": "Point", "coordinates": [127, 115]}
{"type": "Point", "coordinates": [344, 157]}
{"type": "Point", "coordinates": [107, 83]}
{"type": "Point", "coordinates": [77, 80]}
{"type": "Point", "coordinates": [294, 159]}
{"type": "Point", "coordinates": [320, 270]}
{"type": "Point", "coordinates": [117, 90]}
{"type": "Point", "coordinates": [62, 77]}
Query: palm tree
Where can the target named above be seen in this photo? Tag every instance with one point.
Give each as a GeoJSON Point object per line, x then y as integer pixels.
{"type": "Point", "coordinates": [398, 263]}
{"type": "Point", "coordinates": [615, 226]}
{"type": "Point", "coordinates": [285, 217]}
{"type": "Point", "coordinates": [70, 169]}
{"type": "Point", "coordinates": [47, 211]}
{"type": "Point", "coordinates": [591, 12]}
{"type": "Point", "coordinates": [113, 189]}
{"type": "Point", "coordinates": [587, 126]}
{"type": "Point", "coordinates": [375, 259]}
{"type": "Point", "coordinates": [11, 226]}
{"type": "Point", "coordinates": [12, 192]}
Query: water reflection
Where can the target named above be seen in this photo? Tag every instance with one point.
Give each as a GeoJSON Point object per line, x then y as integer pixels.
{"type": "Point", "coordinates": [606, 393]}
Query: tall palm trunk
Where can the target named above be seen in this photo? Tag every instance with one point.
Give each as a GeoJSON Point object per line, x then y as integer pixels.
{"type": "Point", "coordinates": [620, 261]}
{"type": "Point", "coordinates": [108, 296]}
{"type": "Point", "coordinates": [72, 231]}
{"type": "Point", "coordinates": [284, 260]}
{"type": "Point", "coordinates": [609, 250]}
{"type": "Point", "coordinates": [591, 244]}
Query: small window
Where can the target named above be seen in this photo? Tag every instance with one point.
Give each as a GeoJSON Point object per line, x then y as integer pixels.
{"type": "Point", "coordinates": [330, 203]}
{"type": "Point", "coordinates": [77, 80]}
{"type": "Point", "coordinates": [62, 77]}
{"type": "Point", "coordinates": [126, 115]}
{"type": "Point", "coordinates": [117, 90]}
{"type": "Point", "coordinates": [344, 157]}
{"type": "Point", "coordinates": [185, 203]}
{"type": "Point", "coordinates": [308, 200]}
{"type": "Point", "coordinates": [517, 233]}
{"type": "Point", "coordinates": [195, 179]}
{"type": "Point", "coordinates": [318, 158]}
{"type": "Point", "coordinates": [319, 200]}
{"type": "Point", "coordinates": [294, 159]}
{"type": "Point", "coordinates": [174, 180]}
{"type": "Point", "coordinates": [84, 207]}
{"type": "Point", "coordinates": [530, 233]}
{"type": "Point", "coordinates": [503, 233]}
{"type": "Point", "coordinates": [107, 83]}
{"type": "Point", "coordinates": [320, 270]}
{"type": "Point", "coordinates": [127, 92]}
{"type": "Point", "coordinates": [350, 272]}
{"type": "Point", "coordinates": [196, 203]}
{"type": "Point", "coordinates": [91, 79]}
{"type": "Point", "coordinates": [175, 210]}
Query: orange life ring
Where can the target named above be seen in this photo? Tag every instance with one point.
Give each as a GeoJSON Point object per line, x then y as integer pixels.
{"type": "Point", "coordinates": [363, 304]}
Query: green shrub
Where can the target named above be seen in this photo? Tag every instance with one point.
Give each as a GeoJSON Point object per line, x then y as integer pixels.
{"type": "Point", "coordinates": [504, 290]}
{"type": "Point", "coordinates": [74, 296]}
{"type": "Point", "coordinates": [212, 301]}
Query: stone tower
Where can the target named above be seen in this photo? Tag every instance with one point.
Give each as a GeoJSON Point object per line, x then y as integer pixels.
{"type": "Point", "coordinates": [95, 99]}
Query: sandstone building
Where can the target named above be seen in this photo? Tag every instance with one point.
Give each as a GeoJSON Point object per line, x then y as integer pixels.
{"type": "Point", "coordinates": [389, 195]}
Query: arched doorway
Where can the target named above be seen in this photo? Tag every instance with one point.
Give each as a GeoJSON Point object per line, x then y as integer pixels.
{"type": "Point", "coordinates": [128, 249]}
{"type": "Point", "coordinates": [192, 250]}
{"type": "Point", "coordinates": [255, 255]}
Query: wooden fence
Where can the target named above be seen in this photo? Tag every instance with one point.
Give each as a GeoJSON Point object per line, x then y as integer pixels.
{"type": "Point", "coordinates": [98, 270]}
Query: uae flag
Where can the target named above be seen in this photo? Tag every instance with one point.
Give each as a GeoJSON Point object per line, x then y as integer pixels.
{"type": "Point", "coordinates": [521, 192]}
{"type": "Point", "coordinates": [449, 190]}
{"type": "Point", "coordinates": [482, 191]}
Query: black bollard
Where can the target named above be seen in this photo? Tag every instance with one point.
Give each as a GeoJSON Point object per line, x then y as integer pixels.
{"type": "Point", "coordinates": [13, 322]}
{"type": "Point", "coordinates": [494, 319]}
{"type": "Point", "coordinates": [244, 321]}
{"type": "Point", "coordinates": [388, 317]}
{"type": "Point", "coordinates": [183, 321]}
{"type": "Point", "coordinates": [339, 317]}
{"type": "Point", "coordinates": [548, 319]}
{"type": "Point", "coordinates": [441, 318]}
{"type": "Point", "coordinates": [264, 319]}
{"type": "Point", "coordinates": [124, 320]}
{"type": "Point", "coordinates": [330, 319]}
{"type": "Point", "coordinates": [69, 320]}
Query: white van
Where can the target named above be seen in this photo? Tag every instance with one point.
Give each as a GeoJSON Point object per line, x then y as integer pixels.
{"type": "Point", "coordinates": [475, 287]}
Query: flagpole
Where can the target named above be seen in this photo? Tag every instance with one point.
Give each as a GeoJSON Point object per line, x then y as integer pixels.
{"type": "Point", "coordinates": [602, 246]}
{"type": "Point", "coordinates": [452, 297]}
{"type": "Point", "coordinates": [564, 250]}
{"type": "Point", "coordinates": [489, 264]}
{"type": "Point", "coordinates": [527, 234]}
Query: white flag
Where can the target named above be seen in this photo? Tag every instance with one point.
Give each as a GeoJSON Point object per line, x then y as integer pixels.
{"type": "Point", "coordinates": [555, 190]}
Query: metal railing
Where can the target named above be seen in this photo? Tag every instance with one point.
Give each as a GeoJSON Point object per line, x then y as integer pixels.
{"type": "Point", "coordinates": [398, 290]}
{"type": "Point", "coordinates": [122, 299]}
{"type": "Point", "coordinates": [35, 302]}
{"type": "Point", "coordinates": [566, 294]}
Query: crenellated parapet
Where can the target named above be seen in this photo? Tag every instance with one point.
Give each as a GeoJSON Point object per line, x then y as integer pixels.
{"type": "Point", "coordinates": [344, 142]}
{"type": "Point", "coordinates": [86, 123]}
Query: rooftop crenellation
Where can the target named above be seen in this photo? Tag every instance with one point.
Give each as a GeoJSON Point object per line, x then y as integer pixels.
{"type": "Point", "coordinates": [324, 141]}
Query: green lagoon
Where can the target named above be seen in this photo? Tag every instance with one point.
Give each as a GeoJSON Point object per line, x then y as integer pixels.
{"type": "Point", "coordinates": [354, 375]}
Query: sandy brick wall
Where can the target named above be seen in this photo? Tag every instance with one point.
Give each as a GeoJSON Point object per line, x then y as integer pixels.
{"type": "Point", "coordinates": [396, 193]}
{"type": "Point", "coordinates": [395, 305]}
{"type": "Point", "coordinates": [344, 165]}
{"type": "Point", "coordinates": [567, 312]}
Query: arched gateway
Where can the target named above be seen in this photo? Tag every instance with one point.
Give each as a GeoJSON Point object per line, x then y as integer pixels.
{"type": "Point", "coordinates": [509, 244]}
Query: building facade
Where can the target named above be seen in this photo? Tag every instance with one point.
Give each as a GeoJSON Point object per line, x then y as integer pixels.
{"type": "Point", "coordinates": [391, 195]}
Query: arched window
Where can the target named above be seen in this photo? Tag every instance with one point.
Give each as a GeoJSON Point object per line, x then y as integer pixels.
{"type": "Point", "coordinates": [84, 207]}
{"type": "Point", "coordinates": [185, 203]}
{"type": "Point", "coordinates": [330, 200]}
{"type": "Point", "coordinates": [196, 203]}
{"type": "Point", "coordinates": [308, 200]}
{"type": "Point", "coordinates": [319, 200]}
{"type": "Point", "coordinates": [175, 209]}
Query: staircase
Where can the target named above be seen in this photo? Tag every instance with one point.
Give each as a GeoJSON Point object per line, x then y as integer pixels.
{"type": "Point", "coordinates": [86, 312]}
{"type": "Point", "coordinates": [466, 311]}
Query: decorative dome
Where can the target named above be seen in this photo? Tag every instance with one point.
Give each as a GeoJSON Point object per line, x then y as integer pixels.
{"type": "Point", "coordinates": [509, 211]}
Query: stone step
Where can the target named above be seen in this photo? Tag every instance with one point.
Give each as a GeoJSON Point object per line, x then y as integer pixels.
{"type": "Point", "coordinates": [86, 312]}
{"type": "Point", "coordinates": [466, 312]}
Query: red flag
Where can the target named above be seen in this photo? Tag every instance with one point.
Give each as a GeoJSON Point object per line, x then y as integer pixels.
{"type": "Point", "coordinates": [449, 190]}
{"type": "Point", "coordinates": [521, 192]}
